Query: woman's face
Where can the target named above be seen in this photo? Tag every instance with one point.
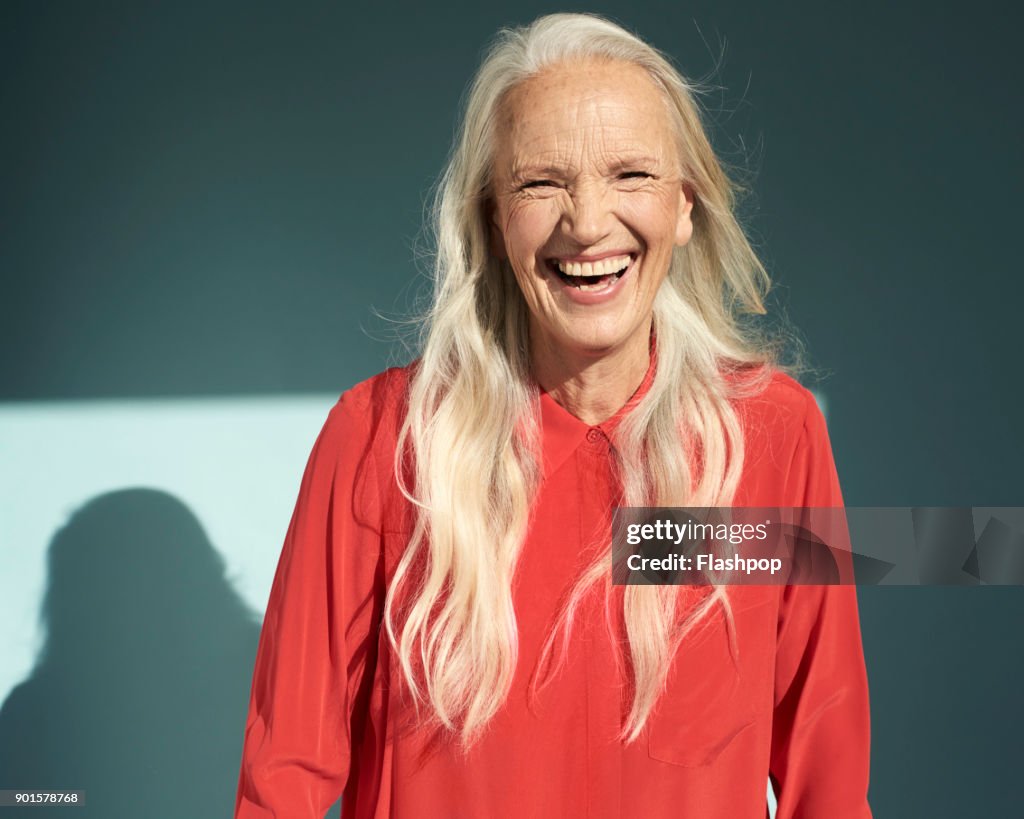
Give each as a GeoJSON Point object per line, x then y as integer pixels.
{"type": "Point", "coordinates": [588, 203]}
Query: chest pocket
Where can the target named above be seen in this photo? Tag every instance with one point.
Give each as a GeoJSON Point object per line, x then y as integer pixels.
{"type": "Point", "coordinates": [713, 698]}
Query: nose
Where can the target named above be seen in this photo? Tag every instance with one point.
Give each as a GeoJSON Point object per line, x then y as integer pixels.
{"type": "Point", "coordinates": [588, 216]}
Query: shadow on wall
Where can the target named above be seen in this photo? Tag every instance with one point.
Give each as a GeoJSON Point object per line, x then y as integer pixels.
{"type": "Point", "coordinates": [139, 694]}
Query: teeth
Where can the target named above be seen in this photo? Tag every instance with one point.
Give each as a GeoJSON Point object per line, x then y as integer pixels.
{"type": "Point", "coordinates": [599, 286]}
{"type": "Point", "coordinates": [601, 268]}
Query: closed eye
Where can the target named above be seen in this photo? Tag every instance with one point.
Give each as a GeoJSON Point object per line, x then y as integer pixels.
{"type": "Point", "coordinates": [536, 183]}
{"type": "Point", "coordinates": [635, 175]}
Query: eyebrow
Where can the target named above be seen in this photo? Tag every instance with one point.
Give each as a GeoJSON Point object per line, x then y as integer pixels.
{"type": "Point", "coordinates": [544, 171]}
{"type": "Point", "coordinates": [533, 171]}
{"type": "Point", "coordinates": [633, 161]}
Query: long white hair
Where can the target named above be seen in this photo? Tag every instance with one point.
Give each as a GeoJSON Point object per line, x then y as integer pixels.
{"type": "Point", "coordinates": [471, 433]}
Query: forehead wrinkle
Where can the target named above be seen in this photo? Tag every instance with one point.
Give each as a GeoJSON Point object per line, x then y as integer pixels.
{"type": "Point", "coordinates": [596, 126]}
{"type": "Point", "coordinates": [575, 150]}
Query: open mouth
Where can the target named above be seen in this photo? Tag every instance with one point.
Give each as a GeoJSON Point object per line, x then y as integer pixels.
{"type": "Point", "coordinates": [591, 275]}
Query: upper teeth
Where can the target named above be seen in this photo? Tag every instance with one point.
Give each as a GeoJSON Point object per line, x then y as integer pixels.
{"type": "Point", "coordinates": [601, 268]}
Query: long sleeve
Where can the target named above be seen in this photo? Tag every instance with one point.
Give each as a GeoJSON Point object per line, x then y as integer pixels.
{"type": "Point", "coordinates": [317, 647]}
{"type": "Point", "coordinates": [820, 746]}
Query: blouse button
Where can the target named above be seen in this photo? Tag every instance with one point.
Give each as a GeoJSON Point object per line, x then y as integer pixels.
{"type": "Point", "coordinates": [594, 435]}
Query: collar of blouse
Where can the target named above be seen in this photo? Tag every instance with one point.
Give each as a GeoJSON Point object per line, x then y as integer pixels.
{"type": "Point", "coordinates": [563, 433]}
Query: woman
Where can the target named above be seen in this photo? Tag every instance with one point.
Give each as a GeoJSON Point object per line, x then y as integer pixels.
{"type": "Point", "coordinates": [442, 637]}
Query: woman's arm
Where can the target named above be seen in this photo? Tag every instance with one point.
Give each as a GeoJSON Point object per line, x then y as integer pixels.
{"type": "Point", "coordinates": [821, 729]}
{"type": "Point", "coordinates": [318, 643]}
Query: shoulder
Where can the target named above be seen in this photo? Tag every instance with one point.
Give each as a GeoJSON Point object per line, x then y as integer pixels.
{"type": "Point", "coordinates": [372, 408]}
{"type": "Point", "coordinates": [365, 421]}
{"type": "Point", "coordinates": [354, 454]}
{"type": "Point", "coordinates": [782, 403]}
{"type": "Point", "coordinates": [782, 423]}
{"type": "Point", "coordinates": [363, 424]}
{"type": "Point", "coordinates": [377, 393]}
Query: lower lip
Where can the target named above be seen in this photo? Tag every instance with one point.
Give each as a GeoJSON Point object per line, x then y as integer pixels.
{"type": "Point", "coordinates": [578, 296]}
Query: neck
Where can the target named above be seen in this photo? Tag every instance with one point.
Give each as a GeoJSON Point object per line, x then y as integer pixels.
{"type": "Point", "coordinates": [593, 387]}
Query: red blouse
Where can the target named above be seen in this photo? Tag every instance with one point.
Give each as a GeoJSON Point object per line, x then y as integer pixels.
{"type": "Point", "coordinates": [324, 708]}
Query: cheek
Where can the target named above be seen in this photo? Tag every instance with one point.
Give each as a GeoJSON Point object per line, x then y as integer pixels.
{"type": "Point", "coordinates": [653, 215]}
{"type": "Point", "coordinates": [528, 225]}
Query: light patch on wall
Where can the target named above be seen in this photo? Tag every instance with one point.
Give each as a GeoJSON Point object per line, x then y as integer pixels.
{"type": "Point", "coordinates": [822, 402]}
{"type": "Point", "coordinates": [235, 462]}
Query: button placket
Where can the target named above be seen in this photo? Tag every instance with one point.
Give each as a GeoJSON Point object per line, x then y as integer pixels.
{"type": "Point", "coordinates": [603, 700]}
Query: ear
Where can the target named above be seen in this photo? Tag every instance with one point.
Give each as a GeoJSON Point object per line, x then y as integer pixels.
{"type": "Point", "coordinates": [684, 223]}
{"type": "Point", "coordinates": [497, 239]}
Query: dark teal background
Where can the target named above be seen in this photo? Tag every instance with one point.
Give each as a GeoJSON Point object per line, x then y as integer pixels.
{"type": "Point", "coordinates": [205, 199]}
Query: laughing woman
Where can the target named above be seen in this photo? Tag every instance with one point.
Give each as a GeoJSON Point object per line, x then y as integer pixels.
{"type": "Point", "coordinates": [443, 638]}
